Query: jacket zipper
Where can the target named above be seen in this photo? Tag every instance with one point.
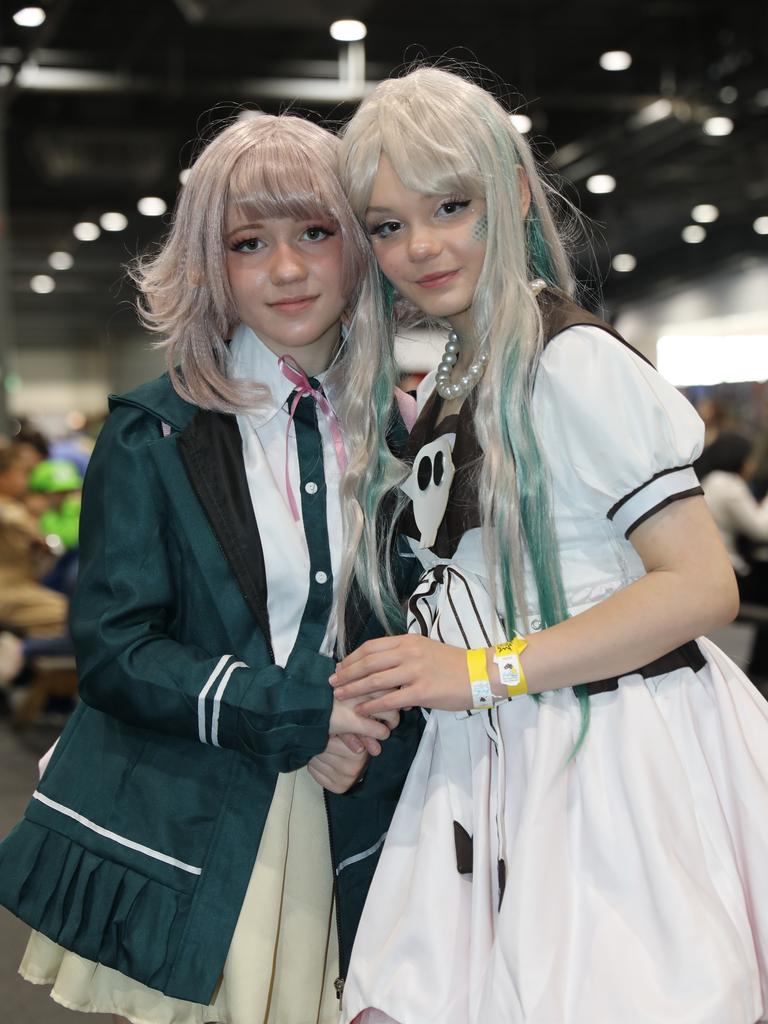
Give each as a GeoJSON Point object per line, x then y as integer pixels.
{"type": "Point", "coordinates": [339, 982]}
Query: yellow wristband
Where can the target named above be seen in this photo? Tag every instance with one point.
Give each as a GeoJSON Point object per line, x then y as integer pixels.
{"type": "Point", "coordinates": [507, 657]}
{"type": "Point", "coordinates": [478, 679]}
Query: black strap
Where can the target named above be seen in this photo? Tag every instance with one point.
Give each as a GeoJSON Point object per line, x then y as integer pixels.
{"type": "Point", "coordinates": [688, 655]}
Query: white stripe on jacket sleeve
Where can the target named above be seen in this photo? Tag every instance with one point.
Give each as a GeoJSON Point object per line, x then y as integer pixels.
{"type": "Point", "coordinates": [204, 693]}
{"type": "Point", "coordinates": [217, 700]}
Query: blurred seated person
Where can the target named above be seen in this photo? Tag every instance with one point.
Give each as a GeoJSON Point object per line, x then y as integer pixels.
{"type": "Point", "coordinates": [731, 502]}
{"type": "Point", "coordinates": [54, 488]}
{"type": "Point", "coordinates": [31, 440]}
{"type": "Point", "coordinates": [716, 421]}
{"type": "Point", "coordinates": [26, 606]}
{"type": "Point", "coordinates": [743, 525]}
{"type": "Point", "coordinates": [758, 482]}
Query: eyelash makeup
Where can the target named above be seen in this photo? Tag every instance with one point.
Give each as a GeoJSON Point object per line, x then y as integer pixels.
{"type": "Point", "coordinates": [458, 202]}
{"type": "Point", "coordinates": [238, 244]}
{"type": "Point", "coordinates": [327, 232]}
{"type": "Point", "coordinates": [378, 229]}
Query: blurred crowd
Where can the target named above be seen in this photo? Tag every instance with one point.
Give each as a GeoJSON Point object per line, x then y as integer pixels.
{"type": "Point", "coordinates": [733, 470]}
{"type": "Point", "coordinates": [40, 484]}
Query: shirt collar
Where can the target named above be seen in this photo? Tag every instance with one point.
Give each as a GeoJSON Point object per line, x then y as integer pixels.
{"type": "Point", "coordinates": [250, 359]}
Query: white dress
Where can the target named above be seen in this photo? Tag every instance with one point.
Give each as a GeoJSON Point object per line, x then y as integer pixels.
{"type": "Point", "coordinates": [636, 873]}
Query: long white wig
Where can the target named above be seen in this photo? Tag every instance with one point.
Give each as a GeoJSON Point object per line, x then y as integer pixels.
{"type": "Point", "coordinates": [445, 135]}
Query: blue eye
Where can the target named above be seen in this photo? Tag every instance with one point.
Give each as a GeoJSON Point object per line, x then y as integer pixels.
{"type": "Point", "coordinates": [247, 245]}
{"type": "Point", "coordinates": [317, 233]}
{"type": "Point", "coordinates": [385, 229]}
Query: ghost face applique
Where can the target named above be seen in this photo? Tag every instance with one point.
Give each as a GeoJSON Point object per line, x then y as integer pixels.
{"type": "Point", "coordinates": [428, 486]}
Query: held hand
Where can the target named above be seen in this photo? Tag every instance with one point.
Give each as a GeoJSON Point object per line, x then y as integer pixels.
{"type": "Point", "coordinates": [357, 744]}
{"type": "Point", "coordinates": [413, 670]}
{"type": "Point", "coordinates": [347, 721]}
{"type": "Point", "coordinates": [337, 769]}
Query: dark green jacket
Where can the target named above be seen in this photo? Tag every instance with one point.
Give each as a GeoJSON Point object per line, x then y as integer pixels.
{"type": "Point", "coordinates": [137, 847]}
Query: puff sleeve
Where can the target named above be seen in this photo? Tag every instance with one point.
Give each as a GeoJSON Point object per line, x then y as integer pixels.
{"type": "Point", "coordinates": [619, 438]}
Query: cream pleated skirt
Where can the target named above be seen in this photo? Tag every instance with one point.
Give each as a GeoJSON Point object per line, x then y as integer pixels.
{"type": "Point", "coordinates": [283, 959]}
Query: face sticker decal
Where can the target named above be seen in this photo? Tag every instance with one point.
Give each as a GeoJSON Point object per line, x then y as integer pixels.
{"type": "Point", "coordinates": [480, 230]}
{"type": "Point", "coordinates": [428, 487]}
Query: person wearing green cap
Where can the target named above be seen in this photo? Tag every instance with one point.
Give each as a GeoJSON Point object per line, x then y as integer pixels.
{"type": "Point", "coordinates": [54, 487]}
{"type": "Point", "coordinates": [55, 476]}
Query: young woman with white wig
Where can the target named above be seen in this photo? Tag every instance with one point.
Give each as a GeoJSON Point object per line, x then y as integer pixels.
{"type": "Point", "coordinates": [583, 835]}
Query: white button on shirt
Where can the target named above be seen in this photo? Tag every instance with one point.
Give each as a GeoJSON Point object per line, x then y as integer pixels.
{"type": "Point", "coordinates": [284, 543]}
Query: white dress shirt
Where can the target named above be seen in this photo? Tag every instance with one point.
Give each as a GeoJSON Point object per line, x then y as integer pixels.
{"type": "Point", "coordinates": [283, 540]}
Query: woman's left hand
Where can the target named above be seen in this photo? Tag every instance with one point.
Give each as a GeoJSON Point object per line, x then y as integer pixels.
{"type": "Point", "coordinates": [337, 769]}
{"type": "Point", "coordinates": [414, 670]}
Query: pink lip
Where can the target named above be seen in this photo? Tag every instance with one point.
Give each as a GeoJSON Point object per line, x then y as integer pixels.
{"type": "Point", "coordinates": [435, 280]}
{"type": "Point", "coordinates": [293, 305]}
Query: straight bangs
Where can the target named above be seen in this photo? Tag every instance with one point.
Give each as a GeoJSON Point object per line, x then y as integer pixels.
{"type": "Point", "coordinates": [279, 179]}
{"type": "Point", "coordinates": [292, 173]}
{"type": "Point", "coordinates": [429, 165]}
{"type": "Point", "coordinates": [413, 141]}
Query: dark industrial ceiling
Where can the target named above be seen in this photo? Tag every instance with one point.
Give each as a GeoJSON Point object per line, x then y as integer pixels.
{"type": "Point", "coordinates": [103, 101]}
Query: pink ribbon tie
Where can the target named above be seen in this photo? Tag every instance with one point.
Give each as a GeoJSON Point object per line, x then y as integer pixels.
{"type": "Point", "coordinates": [291, 370]}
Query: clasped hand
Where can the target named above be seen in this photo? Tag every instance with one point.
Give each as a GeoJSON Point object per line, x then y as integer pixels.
{"type": "Point", "coordinates": [392, 673]}
{"type": "Point", "coordinates": [372, 685]}
{"type": "Point", "coordinates": [353, 739]}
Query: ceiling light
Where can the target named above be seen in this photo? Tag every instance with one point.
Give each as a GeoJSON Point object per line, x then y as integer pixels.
{"type": "Point", "coordinates": [761, 225]}
{"type": "Point", "coordinates": [61, 260]}
{"type": "Point", "coordinates": [729, 94]}
{"type": "Point", "coordinates": [601, 183]}
{"type": "Point", "coordinates": [694, 233]}
{"type": "Point", "coordinates": [151, 206]}
{"type": "Point", "coordinates": [522, 122]}
{"type": "Point", "coordinates": [43, 284]}
{"type": "Point", "coordinates": [113, 221]}
{"type": "Point", "coordinates": [705, 213]}
{"type": "Point", "coordinates": [348, 30]}
{"type": "Point", "coordinates": [624, 262]}
{"type": "Point", "coordinates": [183, 175]}
{"type": "Point", "coordinates": [29, 17]}
{"type": "Point", "coordinates": [651, 113]}
{"type": "Point", "coordinates": [615, 60]}
{"type": "Point", "coordinates": [718, 126]}
{"type": "Point", "coordinates": [86, 231]}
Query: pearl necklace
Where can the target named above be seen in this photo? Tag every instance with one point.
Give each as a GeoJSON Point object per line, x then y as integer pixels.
{"type": "Point", "coordinates": [476, 369]}
{"type": "Point", "coordinates": [464, 384]}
